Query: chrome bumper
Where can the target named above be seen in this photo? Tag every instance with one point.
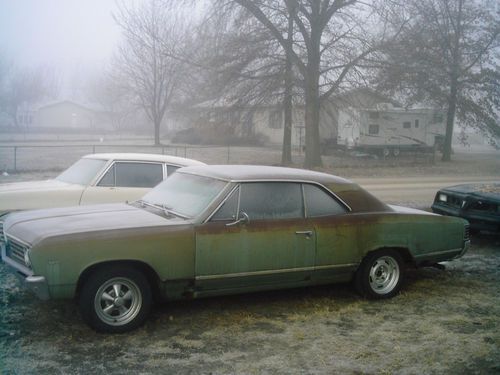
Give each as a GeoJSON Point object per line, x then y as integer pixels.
{"type": "Point", "coordinates": [464, 249]}
{"type": "Point", "coordinates": [37, 284]}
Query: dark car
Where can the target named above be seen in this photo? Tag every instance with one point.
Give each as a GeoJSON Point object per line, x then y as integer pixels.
{"type": "Point", "coordinates": [477, 203]}
{"type": "Point", "coordinates": [214, 230]}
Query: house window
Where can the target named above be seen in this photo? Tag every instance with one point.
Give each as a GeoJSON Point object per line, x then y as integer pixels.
{"type": "Point", "coordinates": [416, 123]}
{"type": "Point", "coordinates": [374, 115]}
{"type": "Point", "coordinates": [407, 125]}
{"type": "Point", "coordinates": [438, 117]}
{"type": "Point", "coordinates": [275, 119]}
{"type": "Point", "coordinates": [373, 129]}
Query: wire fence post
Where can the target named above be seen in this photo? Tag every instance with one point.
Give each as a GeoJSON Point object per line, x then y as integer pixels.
{"type": "Point", "coordinates": [93, 149]}
{"type": "Point", "coordinates": [228, 153]}
{"type": "Point", "coordinates": [15, 158]}
{"type": "Point", "coordinates": [185, 148]}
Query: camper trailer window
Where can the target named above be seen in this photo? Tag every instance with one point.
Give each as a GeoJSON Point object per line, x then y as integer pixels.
{"type": "Point", "coordinates": [407, 125]}
{"type": "Point", "coordinates": [373, 129]}
{"type": "Point", "coordinates": [275, 119]}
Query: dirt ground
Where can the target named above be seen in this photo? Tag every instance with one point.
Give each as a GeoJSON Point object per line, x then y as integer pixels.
{"type": "Point", "coordinates": [443, 322]}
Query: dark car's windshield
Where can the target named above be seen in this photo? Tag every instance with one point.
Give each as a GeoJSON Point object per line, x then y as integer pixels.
{"type": "Point", "coordinates": [185, 194]}
{"type": "Point", "coordinates": [82, 172]}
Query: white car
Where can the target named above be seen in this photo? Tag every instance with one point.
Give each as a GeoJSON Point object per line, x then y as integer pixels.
{"type": "Point", "coordinates": [96, 178]}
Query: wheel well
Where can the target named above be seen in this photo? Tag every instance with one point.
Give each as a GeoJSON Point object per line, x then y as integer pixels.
{"type": "Point", "coordinates": [403, 251]}
{"type": "Point", "coordinates": [147, 270]}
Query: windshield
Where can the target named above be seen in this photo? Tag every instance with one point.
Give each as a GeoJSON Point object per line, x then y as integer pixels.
{"type": "Point", "coordinates": [82, 172]}
{"type": "Point", "coordinates": [185, 194]}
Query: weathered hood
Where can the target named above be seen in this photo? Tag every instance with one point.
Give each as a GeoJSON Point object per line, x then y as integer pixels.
{"type": "Point", "coordinates": [489, 190]}
{"type": "Point", "coordinates": [33, 226]}
{"type": "Point", "coordinates": [38, 194]}
{"type": "Point", "coordinates": [34, 186]}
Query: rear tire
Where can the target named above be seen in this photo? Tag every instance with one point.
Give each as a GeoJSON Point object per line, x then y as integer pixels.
{"type": "Point", "coordinates": [116, 299]}
{"type": "Point", "coordinates": [380, 274]}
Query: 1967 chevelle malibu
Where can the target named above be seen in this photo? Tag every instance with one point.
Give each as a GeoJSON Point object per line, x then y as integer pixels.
{"type": "Point", "coordinates": [212, 230]}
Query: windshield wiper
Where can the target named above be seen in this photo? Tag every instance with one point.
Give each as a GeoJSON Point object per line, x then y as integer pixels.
{"type": "Point", "coordinates": [162, 206]}
{"type": "Point", "coordinates": [170, 211]}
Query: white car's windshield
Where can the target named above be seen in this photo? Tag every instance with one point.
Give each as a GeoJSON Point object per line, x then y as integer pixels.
{"type": "Point", "coordinates": [82, 172]}
{"type": "Point", "coordinates": [185, 194]}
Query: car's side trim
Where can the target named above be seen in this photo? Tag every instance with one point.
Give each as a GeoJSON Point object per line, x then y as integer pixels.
{"type": "Point", "coordinates": [334, 266]}
{"type": "Point", "coordinates": [438, 253]}
{"type": "Point", "coordinates": [270, 272]}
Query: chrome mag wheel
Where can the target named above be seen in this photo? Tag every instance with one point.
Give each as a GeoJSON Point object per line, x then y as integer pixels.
{"type": "Point", "coordinates": [118, 301]}
{"type": "Point", "coordinates": [384, 275]}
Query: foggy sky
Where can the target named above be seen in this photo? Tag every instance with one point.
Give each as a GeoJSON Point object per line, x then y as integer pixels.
{"type": "Point", "coordinates": [58, 33]}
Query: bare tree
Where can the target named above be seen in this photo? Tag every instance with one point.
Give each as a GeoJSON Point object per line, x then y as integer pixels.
{"type": "Point", "coordinates": [448, 55]}
{"type": "Point", "coordinates": [145, 63]}
{"type": "Point", "coordinates": [112, 97]}
{"type": "Point", "coordinates": [25, 87]}
{"type": "Point", "coordinates": [331, 42]}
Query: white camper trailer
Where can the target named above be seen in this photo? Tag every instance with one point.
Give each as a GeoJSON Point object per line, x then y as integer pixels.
{"type": "Point", "coordinates": [388, 130]}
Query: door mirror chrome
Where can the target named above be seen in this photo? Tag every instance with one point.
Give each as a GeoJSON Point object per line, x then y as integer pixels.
{"type": "Point", "coordinates": [243, 219]}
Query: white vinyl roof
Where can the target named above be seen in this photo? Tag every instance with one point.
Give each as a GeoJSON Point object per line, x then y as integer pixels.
{"type": "Point", "coordinates": [129, 156]}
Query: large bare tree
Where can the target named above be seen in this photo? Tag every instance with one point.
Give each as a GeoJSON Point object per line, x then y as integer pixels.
{"type": "Point", "coordinates": [448, 55]}
{"type": "Point", "coordinates": [330, 44]}
{"type": "Point", "coordinates": [249, 66]}
{"type": "Point", "coordinates": [145, 63]}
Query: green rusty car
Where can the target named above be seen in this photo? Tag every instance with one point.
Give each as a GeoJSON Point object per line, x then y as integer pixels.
{"type": "Point", "coordinates": [214, 230]}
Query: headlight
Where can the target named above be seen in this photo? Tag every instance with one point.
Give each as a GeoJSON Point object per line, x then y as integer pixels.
{"type": "Point", "coordinates": [27, 259]}
{"type": "Point", "coordinates": [443, 198]}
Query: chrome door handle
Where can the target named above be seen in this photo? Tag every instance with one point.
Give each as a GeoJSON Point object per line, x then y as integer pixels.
{"type": "Point", "coordinates": [307, 233]}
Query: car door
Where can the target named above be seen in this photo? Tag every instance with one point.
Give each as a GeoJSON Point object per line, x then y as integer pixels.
{"type": "Point", "coordinates": [258, 238]}
{"type": "Point", "coordinates": [337, 241]}
{"type": "Point", "coordinates": [124, 181]}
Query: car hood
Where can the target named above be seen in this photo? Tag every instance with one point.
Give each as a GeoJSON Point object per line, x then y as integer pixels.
{"type": "Point", "coordinates": [489, 190]}
{"type": "Point", "coordinates": [33, 226]}
{"type": "Point", "coordinates": [34, 185]}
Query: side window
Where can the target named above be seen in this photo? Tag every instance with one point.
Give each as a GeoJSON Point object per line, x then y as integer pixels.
{"type": "Point", "coordinates": [171, 169]}
{"type": "Point", "coordinates": [271, 200]}
{"type": "Point", "coordinates": [320, 203]}
{"type": "Point", "coordinates": [228, 211]}
{"type": "Point", "coordinates": [109, 178]}
{"type": "Point", "coordinates": [141, 175]}
{"type": "Point", "coordinates": [407, 125]}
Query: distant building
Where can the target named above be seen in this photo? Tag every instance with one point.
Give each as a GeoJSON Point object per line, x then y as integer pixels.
{"type": "Point", "coordinates": [268, 120]}
{"type": "Point", "coordinates": [68, 115]}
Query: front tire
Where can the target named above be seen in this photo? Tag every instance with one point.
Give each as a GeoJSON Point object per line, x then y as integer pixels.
{"type": "Point", "coordinates": [380, 274]}
{"type": "Point", "coordinates": [115, 300]}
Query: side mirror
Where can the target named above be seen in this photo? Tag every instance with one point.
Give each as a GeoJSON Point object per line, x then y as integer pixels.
{"type": "Point", "coordinates": [244, 219]}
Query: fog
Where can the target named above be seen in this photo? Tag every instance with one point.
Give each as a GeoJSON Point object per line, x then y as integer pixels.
{"type": "Point", "coordinates": [222, 76]}
{"type": "Point", "coordinates": [58, 33]}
